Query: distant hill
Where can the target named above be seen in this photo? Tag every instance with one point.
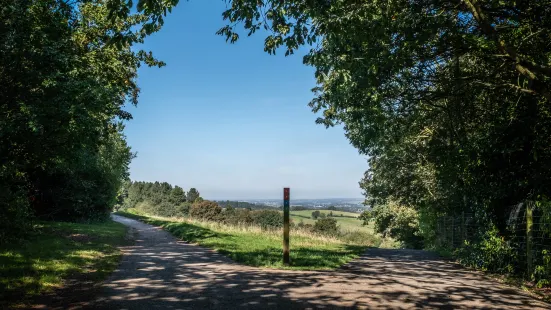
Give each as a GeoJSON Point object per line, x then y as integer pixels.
{"type": "Point", "coordinates": [344, 204]}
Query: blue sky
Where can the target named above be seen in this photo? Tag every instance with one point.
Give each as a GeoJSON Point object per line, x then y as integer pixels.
{"type": "Point", "coordinates": [232, 120]}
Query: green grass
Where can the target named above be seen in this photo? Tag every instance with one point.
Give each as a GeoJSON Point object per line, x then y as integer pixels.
{"type": "Point", "coordinates": [56, 252]}
{"type": "Point", "coordinates": [255, 247]}
{"type": "Point", "coordinates": [348, 220]}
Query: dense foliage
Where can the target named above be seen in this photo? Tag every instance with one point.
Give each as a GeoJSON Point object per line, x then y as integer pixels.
{"type": "Point", "coordinates": [449, 99]}
{"type": "Point", "coordinates": [64, 84]}
{"type": "Point", "coordinates": [326, 226]}
{"type": "Point", "coordinates": [396, 221]}
{"type": "Point", "coordinates": [157, 198]}
{"type": "Point", "coordinates": [162, 199]}
{"type": "Point", "coordinates": [205, 210]}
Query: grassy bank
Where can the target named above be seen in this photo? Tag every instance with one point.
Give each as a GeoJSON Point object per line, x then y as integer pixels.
{"type": "Point", "coordinates": [56, 253]}
{"type": "Point", "coordinates": [255, 247]}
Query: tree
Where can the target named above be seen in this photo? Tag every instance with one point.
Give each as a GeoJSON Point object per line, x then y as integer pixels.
{"type": "Point", "coordinates": [366, 216]}
{"type": "Point", "coordinates": [192, 195]}
{"type": "Point", "coordinates": [267, 219]}
{"type": "Point", "coordinates": [315, 214]}
{"type": "Point", "coordinates": [205, 210]}
{"type": "Point", "coordinates": [398, 222]}
{"type": "Point", "coordinates": [450, 100]}
{"type": "Point", "coordinates": [178, 196]}
{"type": "Point", "coordinates": [326, 226]}
{"type": "Point", "coordinates": [64, 85]}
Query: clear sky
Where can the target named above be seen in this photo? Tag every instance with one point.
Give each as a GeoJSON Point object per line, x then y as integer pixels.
{"type": "Point", "coordinates": [231, 120]}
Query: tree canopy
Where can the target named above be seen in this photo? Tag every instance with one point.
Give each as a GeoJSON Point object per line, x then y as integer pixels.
{"type": "Point", "coordinates": [450, 99]}
{"type": "Point", "coordinates": [65, 79]}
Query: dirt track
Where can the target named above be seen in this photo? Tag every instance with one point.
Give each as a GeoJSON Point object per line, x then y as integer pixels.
{"type": "Point", "coordinates": [159, 272]}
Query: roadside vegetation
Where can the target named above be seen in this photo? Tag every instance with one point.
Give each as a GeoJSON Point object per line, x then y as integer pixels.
{"type": "Point", "coordinates": [163, 199]}
{"type": "Point", "coordinates": [261, 246]}
{"type": "Point", "coordinates": [55, 254]}
{"type": "Point", "coordinates": [451, 102]}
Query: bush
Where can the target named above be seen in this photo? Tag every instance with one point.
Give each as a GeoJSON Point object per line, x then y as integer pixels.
{"type": "Point", "coordinates": [182, 209]}
{"type": "Point", "coordinates": [542, 272]}
{"type": "Point", "coordinates": [360, 237]}
{"type": "Point", "coordinates": [15, 217]}
{"type": "Point", "coordinates": [232, 216]}
{"type": "Point", "coordinates": [205, 210]}
{"type": "Point", "coordinates": [398, 222]}
{"type": "Point", "coordinates": [326, 226]}
{"type": "Point", "coordinates": [490, 252]}
{"type": "Point", "coordinates": [267, 219]}
{"type": "Point", "coordinates": [315, 215]}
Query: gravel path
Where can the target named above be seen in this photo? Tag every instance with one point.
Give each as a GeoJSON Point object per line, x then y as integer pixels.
{"type": "Point", "coordinates": [160, 272]}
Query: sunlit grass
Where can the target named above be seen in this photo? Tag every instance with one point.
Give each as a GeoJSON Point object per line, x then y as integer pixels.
{"type": "Point", "coordinates": [57, 251]}
{"type": "Point", "coordinates": [253, 246]}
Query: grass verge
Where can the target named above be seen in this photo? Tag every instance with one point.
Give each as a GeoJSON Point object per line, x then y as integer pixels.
{"type": "Point", "coordinates": [56, 253]}
{"type": "Point", "coordinates": [255, 247]}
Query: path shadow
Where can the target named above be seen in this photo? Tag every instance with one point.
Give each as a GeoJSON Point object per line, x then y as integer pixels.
{"type": "Point", "coordinates": [158, 272]}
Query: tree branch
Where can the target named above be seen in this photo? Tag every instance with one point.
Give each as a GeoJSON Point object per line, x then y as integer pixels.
{"type": "Point", "coordinates": [525, 67]}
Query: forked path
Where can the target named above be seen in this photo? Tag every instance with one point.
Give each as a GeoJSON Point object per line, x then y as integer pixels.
{"type": "Point", "coordinates": [160, 272]}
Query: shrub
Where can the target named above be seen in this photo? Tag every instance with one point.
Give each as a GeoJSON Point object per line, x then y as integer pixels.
{"type": "Point", "coordinates": [205, 210]}
{"type": "Point", "coordinates": [15, 217]}
{"type": "Point", "coordinates": [166, 209]}
{"type": "Point", "coordinates": [360, 237]}
{"type": "Point", "coordinates": [267, 219]}
{"type": "Point", "coordinates": [397, 221]}
{"type": "Point", "coordinates": [489, 252]}
{"type": "Point", "coordinates": [145, 207]}
{"type": "Point", "coordinates": [315, 215]}
{"type": "Point", "coordinates": [326, 226]}
{"type": "Point", "coordinates": [232, 216]}
{"type": "Point", "coordinates": [182, 209]}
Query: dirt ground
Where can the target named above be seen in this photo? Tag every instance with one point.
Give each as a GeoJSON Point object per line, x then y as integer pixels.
{"type": "Point", "coordinates": [160, 272]}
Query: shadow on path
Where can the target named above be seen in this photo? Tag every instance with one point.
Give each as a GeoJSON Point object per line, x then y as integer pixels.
{"type": "Point", "coordinates": [159, 272]}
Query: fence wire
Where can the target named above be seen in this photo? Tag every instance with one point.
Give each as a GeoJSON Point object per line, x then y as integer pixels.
{"type": "Point", "coordinates": [528, 234]}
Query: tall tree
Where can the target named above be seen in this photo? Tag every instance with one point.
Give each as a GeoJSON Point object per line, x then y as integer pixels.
{"type": "Point", "coordinates": [450, 99]}
{"type": "Point", "coordinates": [178, 196]}
{"type": "Point", "coordinates": [66, 70]}
{"type": "Point", "coordinates": [193, 195]}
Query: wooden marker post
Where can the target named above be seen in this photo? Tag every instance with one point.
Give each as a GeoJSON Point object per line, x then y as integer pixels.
{"type": "Point", "coordinates": [286, 226]}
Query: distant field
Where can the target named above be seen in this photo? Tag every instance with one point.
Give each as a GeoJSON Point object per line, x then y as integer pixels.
{"type": "Point", "coordinates": [348, 220]}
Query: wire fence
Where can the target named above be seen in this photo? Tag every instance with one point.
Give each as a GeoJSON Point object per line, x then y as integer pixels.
{"type": "Point", "coordinates": [528, 234]}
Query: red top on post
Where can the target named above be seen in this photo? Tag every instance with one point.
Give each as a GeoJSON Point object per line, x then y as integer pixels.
{"type": "Point", "coordinates": [286, 193]}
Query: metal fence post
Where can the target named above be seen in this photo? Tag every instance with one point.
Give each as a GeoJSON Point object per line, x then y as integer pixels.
{"type": "Point", "coordinates": [463, 235]}
{"type": "Point", "coordinates": [453, 232]}
{"type": "Point", "coordinates": [529, 223]}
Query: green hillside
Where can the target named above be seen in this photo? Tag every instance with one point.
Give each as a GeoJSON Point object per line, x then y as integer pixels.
{"type": "Point", "coordinates": [347, 220]}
